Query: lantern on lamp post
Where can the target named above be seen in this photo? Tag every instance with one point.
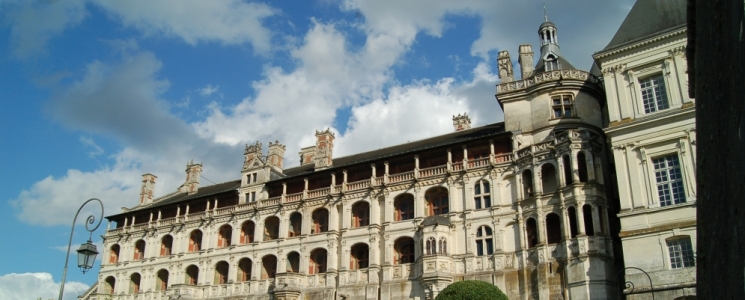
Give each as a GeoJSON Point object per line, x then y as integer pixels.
{"type": "Point", "coordinates": [86, 256]}
{"type": "Point", "coordinates": [87, 252]}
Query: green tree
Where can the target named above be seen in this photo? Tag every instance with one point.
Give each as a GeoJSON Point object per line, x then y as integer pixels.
{"type": "Point", "coordinates": [471, 290]}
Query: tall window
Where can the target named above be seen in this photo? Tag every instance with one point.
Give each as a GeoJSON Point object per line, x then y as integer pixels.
{"type": "Point", "coordinates": [110, 285]}
{"type": "Point", "coordinates": [320, 221]}
{"type": "Point", "coordinates": [166, 245]}
{"type": "Point", "coordinates": [139, 250]}
{"type": "Point", "coordinates": [531, 232]}
{"type": "Point", "coordinates": [296, 225]}
{"type": "Point", "coordinates": [269, 264]}
{"type": "Point", "coordinates": [572, 221]}
{"type": "Point", "coordinates": [484, 244]}
{"type": "Point", "coordinates": [587, 214]}
{"type": "Point", "coordinates": [482, 194]}
{"type": "Point", "coordinates": [548, 178]}
{"type": "Point", "coordinates": [437, 201]}
{"type": "Point", "coordinates": [528, 190]}
{"type": "Point", "coordinates": [221, 273]}
{"type": "Point", "coordinates": [192, 275]}
{"type": "Point", "coordinates": [669, 180]}
{"type": "Point", "coordinates": [443, 246]}
{"type": "Point", "coordinates": [431, 246]}
{"type": "Point", "coordinates": [567, 169]}
{"type": "Point", "coordinates": [359, 257]}
{"type": "Point", "coordinates": [195, 241]}
{"type": "Point", "coordinates": [162, 281]}
{"type": "Point", "coordinates": [271, 229]}
{"type": "Point", "coordinates": [114, 254]}
{"type": "Point", "coordinates": [654, 94]}
{"type": "Point", "coordinates": [318, 261]}
{"type": "Point", "coordinates": [224, 236]}
{"type": "Point", "coordinates": [247, 232]}
{"type": "Point", "coordinates": [293, 262]}
{"type": "Point", "coordinates": [681, 253]}
{"type": "Point", "coordinates": [582, 167]}
{"type": "Point", "coordinates": [404, 248]}
{"type": "Point", "coordinates": [404, 205]}
{"type": "Point", "coordinates": [134, 283]}
{"type": "Point", "coordinates": [562, 106]}
{"type": "Point", "coordinates": [360, 214]}
{"type": "Point", "coordinates": [244, 266]}
{"type": "Point", "coordinates": [553, 228]}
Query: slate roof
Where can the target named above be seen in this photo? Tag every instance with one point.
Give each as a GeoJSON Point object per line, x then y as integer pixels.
{"type": "Point", "coordinates": [648, 18]}
{"type": "Point", "coordinates": [436, 220]}
{"type": "Point", "coordinates": [563, 65]}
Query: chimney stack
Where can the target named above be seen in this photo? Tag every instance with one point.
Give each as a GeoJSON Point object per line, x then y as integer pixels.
{"type": "Point", "coordinates": [324, 149]}
{"type": "Point", "coordinates": [461, 122]}
{"type": "Point", "coordinates": [148, 187]}
{"type": "Point", "coordinates": [526, 60]}
{"type": "Point", "coordinates": [193, 172]}
{"type": "Point", "coordinates": [504, 65]}
{"type": "Point", "coordinates": [276, 155]}
{"type": "Point", "coordinates": [251, 154]}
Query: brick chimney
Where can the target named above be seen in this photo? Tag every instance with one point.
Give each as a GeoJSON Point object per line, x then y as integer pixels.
{"type": "Point", "coordinates": [526, 60]}
{"type": "Point", "coordinates": [148, 188]}
{"type": "Point", "coordinates": [324, 149]}
{"type": "Point", "coordinates": [193, 172]}
{"type": "Point", "coordinates": [461, 122]}
{"type": "Point", "coordinates": [276, 155]}
{"type": "Point", "coordinates": [504, 65]}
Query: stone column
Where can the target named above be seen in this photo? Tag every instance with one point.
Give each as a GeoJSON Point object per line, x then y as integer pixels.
{"type": "Point", "coordinates": [257, 269]}
{"type": "Point", "coordinates": [580, 218]}
{"type": "Point", "coordinates": [590, 165]}
{"type": "Point", "coordinates": [419, 203]}
{"type": "Point", "coordinates": [468, 201]}
{"type": "Point", "coordinates": [521, 225]}
{"type": "Point", "coordinates": [560, 172]}
{"type": "Point", "coordinates": [259, 230]}
{"type": "Point", "coordinates": [575, 166]}
{"type": "Point", "coordinates": [565, 234]}
{"type": "Point", "coordinates": [307, 222]}
{"type": "Point", "coordinates": [375, 210]}
{"type": "Point", "coordinates": [537, 181]}
{"type": "Point", "coordinates": [596, 220]}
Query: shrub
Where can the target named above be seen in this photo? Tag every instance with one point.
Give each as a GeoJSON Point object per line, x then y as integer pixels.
{"type": "Point", "coordinates": [471, 290]}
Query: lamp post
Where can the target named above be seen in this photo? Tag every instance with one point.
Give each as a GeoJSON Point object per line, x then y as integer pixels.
{"type": "Point", "coordinates": [87, 252]}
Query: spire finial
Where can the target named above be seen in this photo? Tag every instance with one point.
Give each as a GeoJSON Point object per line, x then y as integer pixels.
{"type": "Point", "coordinates": [545, 15]}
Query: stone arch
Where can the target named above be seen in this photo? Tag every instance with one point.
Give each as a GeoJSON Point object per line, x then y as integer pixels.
{"type": "Point", "coordinates": [548, 177]}
{"type": "Point", "coordinates": [437, 201]}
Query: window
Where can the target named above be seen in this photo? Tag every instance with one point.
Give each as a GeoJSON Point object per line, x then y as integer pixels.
{"type": "Point", "coordinates": [245, 266]}
{"type": "Point", "coordinates": [437, 201]}
{"type": "Point", "coordinates": [681, 253]}
{"type": "Point", "coordinates": [527, 184]}
{"type": "Point", "coordinates": [587, 214]}
{"type": "Point", "coordinates": [360, 214]}
{"type": "Point", "coordinates": [404, 205]}
{"type": "Point", "coordinates": [551, 63]}
{"type": "Point", "coordinates": [482, 194]}
{"type": "Point", "coordinates": [166, 245]}
{"type": "Point", "coordinates": [224, 236]}
{"type": "Point", "coordinates": [195, 241]}
{"type": "Point", "coordinates": [114, 254]}
{"type": "Point", "coordinates": [404, 251]}
{"type": "Point", "coordinates": [296, 225]}
{"type": "Point", "coordinates": [567, 169]}
{"type": "Point", "coordinates": [271, 229]}
{"type": "Point", "coordinates": [553, 228]}
{"type": "Point", "coordinates": [269, 264]}
{"type": "Point", "coordinates": [221, 272]}
{"type": "Point", "coordinates": [654, 94]}
{"type": "Point", "coordinates": [318, 261]}
{"type": "Point", "coordinates": [139, 250]}
{"type": "Point", "coordinates": [320, 221]}
{"type": "Point", "coordinates": [484, 245]}
{"type": "Point", "coordinates": [247, 232]}
{"type": "Point", "coordinates": [562, 106]}
{"type": "Point", "coordinates": [251, 178]}
{"type": "Point", "coordinates": [109, 286]}
{"type": "Point", "coordinates": [162, 280]}
{"type": "Point", "coordinates": [134, 283]}
{"type": "Point", "coordinates": [548, 178]}
{"type": "Point", "coordinates": [531, 232]}
{"type": "Point", "coordinates": [431, 246]}
{"type": "Point", "coordinates": [443, 246]}
{"type": "Point", "coordinates": [293, 262]}
{"type": "Point", "coordinates": [359, 257]}
{"type": "Point", "coordinates": [582, 167]}
{"type": "Point", "coordinates": [572, 221]}
{"type": "Point", "coordinates": [192, 275]}
{"type": "Point", "coordinates": [669, 180]}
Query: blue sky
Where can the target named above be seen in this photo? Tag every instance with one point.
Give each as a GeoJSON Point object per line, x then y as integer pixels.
{"type": "Point", "coordinates": [96, 93]}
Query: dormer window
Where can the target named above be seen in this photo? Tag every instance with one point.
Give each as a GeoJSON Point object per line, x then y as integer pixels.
{"type": "Point", "coordinates": [654, 94]}
{"type": "Point", "coordinates": [551, 63]}
{"type": "Point", "coordinates": [562, 105]}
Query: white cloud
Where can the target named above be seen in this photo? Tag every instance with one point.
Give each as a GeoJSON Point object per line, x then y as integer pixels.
{"type": "Point", "coordinates": [33, 23]}
{"type": "Point", "coordinates": [208, 90]}
{"type": "Point", "coordinates": [25, 286]}
{"type": "Point", "coordinates": [96, 150]}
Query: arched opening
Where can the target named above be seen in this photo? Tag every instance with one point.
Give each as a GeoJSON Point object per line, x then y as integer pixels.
{"type": "Point", "coordinates": [602, 220]}
{"type": "Point", "coordinates": [484, 241]}
{"type": "Point", "coordinates": [114, 254]}
{"type": "Point", "coordinates": [320, 221]}
{"type": "Point", "coordinates": [548, 178]}
{"type": "Point", "coordinates": [553, 228]}
{"type": "Point", "coordinates": [587, 214]}
{"type": "Point", "coordinates": [293, 262]}
{"type": "Point", "coordinates": [404, 207]}
{"type": "Point", "coordinates": [139, 250]}
{"type": "Point", "coordinates": [404, 251]}
{"type": "Point", "coordinates": [161, 283]}
{"type": "Point", "coordinates": [531, 232]}
{"type": "Point", "coordinates": [271, 229]}
{"type": "Point", "coordinates": [567, 169]}
{"type": "Point", "coordinates": [134, 283]}
{"type": "Point", "coordinates": [247, 232]}
{"type": "Point", "coordinates": [582, 167]}
{"type": "Point", "coordinates": [110, 285]}
{"type": "Point", "coordinates": [244, 269]}
{"type": "Point", "coordinates": [192, 275]}
{"type": "Point", "coordinates": [166, 245]}
{"type": "Point", "coordinates": [296, 225]}
{"type": "Point", "coordinates": [318, 258]}
{"type": "Point", "coordinates": [195, 241]}
{"type": "Point", "coordinates": [224, 236]}
{"type": "Point", "coordinates": [572, 222]}
{"type": "Point", "coordinates": [443, 246]}
{"type": "Point", "coordinates": [360, 214]}
{"type": "Point", "coordinates": [482, 194]}
{"type": "Point", "coordinates": [359, 256]}
{"type": "Point", "coordinates": [221, 272]}
{"type": "Point", "coordinates": [437, 201]}
{"type": "Point", "coordinates": [431, 246]}
{"type": "Point", "coordinates": [269, 266]}
{"type": "Point", "coordinates": [528, 189]}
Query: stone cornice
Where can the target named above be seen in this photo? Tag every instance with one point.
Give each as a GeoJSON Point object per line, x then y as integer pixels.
{"type": "Point", "coordinates": [557, 75]}
{"type": "Point", "coordinates": [638, 43]}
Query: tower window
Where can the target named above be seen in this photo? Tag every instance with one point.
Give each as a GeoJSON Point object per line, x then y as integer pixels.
{"type": "Point", "coordinates": [669, 180]}
{"type": "Point", "coordinates": [562, 106]}
{"type": "Point", "coordinates": [654, 94]}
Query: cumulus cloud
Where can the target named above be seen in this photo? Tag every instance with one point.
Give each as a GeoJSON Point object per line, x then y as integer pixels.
{"type": "Point", "coordinates": [33, 23]}
{"type": "Point", "coordinates": [24, 286]}
{"type": "Point", "coordinates": [208, 90]}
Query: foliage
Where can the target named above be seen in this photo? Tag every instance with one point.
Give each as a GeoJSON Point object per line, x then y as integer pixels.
{"type": "Point", "coordinates": [471, 290]}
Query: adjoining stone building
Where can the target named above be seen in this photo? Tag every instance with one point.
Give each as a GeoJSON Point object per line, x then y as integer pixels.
{"type": "Point", "coordinates": [521, 204]}
{"type": "Point", "coordinates": [652, 136]}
